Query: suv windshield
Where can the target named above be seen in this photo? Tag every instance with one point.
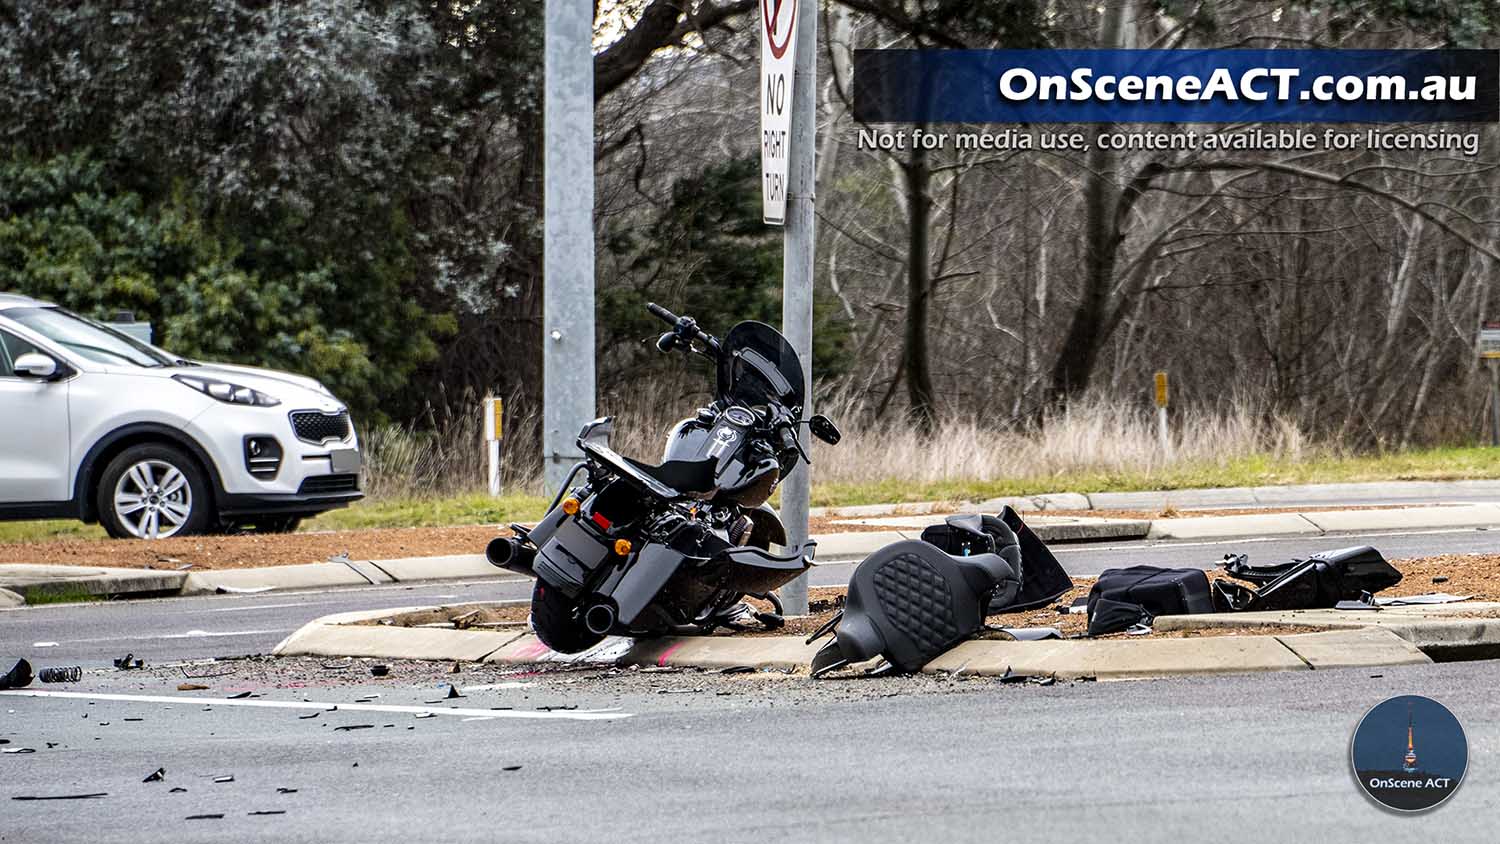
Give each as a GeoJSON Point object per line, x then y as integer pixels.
{"type": "Point", "coordinates": [85, 337]}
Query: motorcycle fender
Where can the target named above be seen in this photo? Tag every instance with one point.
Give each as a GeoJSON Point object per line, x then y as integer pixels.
{"type": "Point", "coordinates": [653, 567]}
{"type": "Point", "coordinates": [768, 529]}
{"type": "Point", "coordinates": [546, 528]}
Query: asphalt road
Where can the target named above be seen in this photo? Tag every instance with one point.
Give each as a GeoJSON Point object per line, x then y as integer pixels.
{"type": "Point", "coordinates": [191, 628]}
{"type": "Point", "coordinates": [1252, 758]}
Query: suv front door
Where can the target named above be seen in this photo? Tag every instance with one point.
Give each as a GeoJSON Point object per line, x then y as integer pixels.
{"type": "Point", "coordinates": [34, 433]}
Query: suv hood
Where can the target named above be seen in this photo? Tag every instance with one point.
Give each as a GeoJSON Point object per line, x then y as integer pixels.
{"type": "Point", "coordinates": [268, 381]}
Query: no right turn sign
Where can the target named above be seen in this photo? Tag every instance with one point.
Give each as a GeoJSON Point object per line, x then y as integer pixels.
{"type": "Point", "coordinates": [778, 49]}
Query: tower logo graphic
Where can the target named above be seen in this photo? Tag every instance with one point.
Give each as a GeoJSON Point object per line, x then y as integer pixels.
{"type": "Point", "coordinates": [1385, 758]}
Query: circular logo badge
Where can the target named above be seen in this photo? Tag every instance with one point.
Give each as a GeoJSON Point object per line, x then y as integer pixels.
{"type": "Point", "coordinates": [1409, 753]}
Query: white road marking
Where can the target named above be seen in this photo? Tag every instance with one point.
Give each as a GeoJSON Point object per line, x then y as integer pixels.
{"type": "Point", "coordinates": [468, 713]}
{"type": "Point", "coordinates": [191, 634]}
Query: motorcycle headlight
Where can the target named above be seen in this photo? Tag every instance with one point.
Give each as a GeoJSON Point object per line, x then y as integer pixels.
{"type": "Point", "coordinates": [226, 392]}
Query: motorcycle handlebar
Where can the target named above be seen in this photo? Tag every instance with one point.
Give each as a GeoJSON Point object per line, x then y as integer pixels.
{"type": "Point", "coordinates": [662, 314]}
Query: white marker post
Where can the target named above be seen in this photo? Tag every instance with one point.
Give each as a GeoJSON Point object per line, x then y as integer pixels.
{"type": "Point", "coordinates": [1489, 350]}
{"type": "Point", "coordinates": [1162, 435]}
{"type": "Point", "coordinates": [494, 431]}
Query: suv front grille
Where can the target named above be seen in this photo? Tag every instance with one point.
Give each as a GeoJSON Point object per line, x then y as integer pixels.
{"type": "Point", "coordinates": [312, 426]}
{"type": "Point", "coordinates": [322, 484]}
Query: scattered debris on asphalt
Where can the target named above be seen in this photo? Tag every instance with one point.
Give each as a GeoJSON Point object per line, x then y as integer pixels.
{"type": "Point", "coordinates": [309, 716]}
{"type": "Point", "coordinates": [238, 696]}
{"type": "Point", "coordinates": [209, 817]}
{"type": "Point", "coordinates": [379, 670]}
{"type": "Point", "coordinates": [18, 677]}
{"type": "Point", "coordinates": [1442, 578]}
{"type": "Point", "coordinates": [16, 750]}
{"type": "Point", "coordinates": [191, 687]}
{"type": "Point", "coordinates": [511, 768]}
{"type": "Point", "coordinates": [347, 727]}
{"type": "Point", "coordinates": [267, 812]}
{"type": "Point", "coordinates": [88, 796]}
{"type": "Point", "coordinates": [63, 674]}
{"type": "Point", "coordinates": [224, 779]}
{"type": "Point", "coordinates": [129, 662]}
{"type": "Point", "coordinates": [286, 791]}
{"type": "Point", "coordinates": [738, 669]}
{"type": "Point", "coordinates": [338, 666]}
{"type": "Point", "coordinates": [156, 776]}
{"type": "Point", "coordinates": [176, 790]}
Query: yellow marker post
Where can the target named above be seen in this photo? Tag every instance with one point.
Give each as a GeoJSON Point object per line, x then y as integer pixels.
{"type": "Point", "coordinates": [1162, 434]}
{"type": "Point", "coordinates": [494, 427]}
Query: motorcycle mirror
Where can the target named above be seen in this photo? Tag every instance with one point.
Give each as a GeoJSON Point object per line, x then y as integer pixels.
{"type": "Point", "coordinates": [823, 428]}
{"type": "Point", "coordinates": [666, 342]}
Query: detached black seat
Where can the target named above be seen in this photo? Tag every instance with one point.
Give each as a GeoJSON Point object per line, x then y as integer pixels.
{"type": "Point", "coordinates": [910, 602]}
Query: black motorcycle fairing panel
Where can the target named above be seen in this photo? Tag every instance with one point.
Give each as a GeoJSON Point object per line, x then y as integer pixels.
{"type": "Point", "coordinates": [1320, 581]}
{"type": "Point", "coordinates": [757, 366]}
{"type": "Point", "coordinates": [1045, 580]}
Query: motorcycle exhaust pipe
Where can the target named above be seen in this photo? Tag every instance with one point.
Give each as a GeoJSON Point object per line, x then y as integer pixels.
{"type": "Point", "coordinates": [508, 553]}
{"type": "Point", "coordinates": [599, 619]}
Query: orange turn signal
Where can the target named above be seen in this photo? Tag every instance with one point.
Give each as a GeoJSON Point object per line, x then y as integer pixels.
{"type": "Point", "coordinates": [570, 506]}
{"type": "Point", "coordinates": [622, 547]}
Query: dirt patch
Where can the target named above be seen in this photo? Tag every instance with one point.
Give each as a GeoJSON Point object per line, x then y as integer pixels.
{"type": "Point", "coordinates": [254, 550]}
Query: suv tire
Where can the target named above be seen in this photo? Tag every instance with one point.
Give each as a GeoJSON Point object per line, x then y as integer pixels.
{"type": "Point", "coordinates": [153, 491]}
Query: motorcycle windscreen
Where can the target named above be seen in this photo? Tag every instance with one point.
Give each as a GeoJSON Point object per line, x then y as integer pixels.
{"type": "Point", "coordinates": [758, 366]}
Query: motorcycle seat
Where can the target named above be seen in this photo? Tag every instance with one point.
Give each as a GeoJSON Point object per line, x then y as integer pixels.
{"type": "Point", "coordinates": [910, 601]}
{"type": "Point", "coordinates": [671, 480]}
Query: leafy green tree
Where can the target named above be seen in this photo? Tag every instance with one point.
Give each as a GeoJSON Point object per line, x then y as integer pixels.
{"type": "Point", "coordinates": [709, 255]}
{"type": "Point", "coordinates": [69, 236]}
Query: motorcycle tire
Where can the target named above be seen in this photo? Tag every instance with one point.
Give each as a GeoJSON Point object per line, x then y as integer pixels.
{"type": "Point", "coordinates": [555, 619]}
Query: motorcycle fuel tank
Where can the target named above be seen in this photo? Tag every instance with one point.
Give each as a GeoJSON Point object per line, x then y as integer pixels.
{"type": "Point", "coordinates": [743, 473]}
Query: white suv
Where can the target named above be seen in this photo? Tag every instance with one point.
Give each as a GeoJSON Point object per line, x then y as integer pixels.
{"type": "Point", "coordinates": [95, 425]}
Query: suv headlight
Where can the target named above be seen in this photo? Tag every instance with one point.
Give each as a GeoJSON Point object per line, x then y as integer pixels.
{"type": "Point", "coordinates": [227, 392]}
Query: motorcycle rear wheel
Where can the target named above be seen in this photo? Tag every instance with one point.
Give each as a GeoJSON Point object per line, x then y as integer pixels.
{"type": "Point", "coordinates": [556, 620]}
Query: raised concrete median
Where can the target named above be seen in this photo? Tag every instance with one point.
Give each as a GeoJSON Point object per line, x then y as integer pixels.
{"type": "Point", "coordinates": [1329, 640]}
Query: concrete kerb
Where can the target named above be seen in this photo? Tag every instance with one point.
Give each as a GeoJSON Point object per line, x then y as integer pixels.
{"type": "Point", "coordinates": [10, 599]}
{"type": "Point", "coordinates": [98, 581]}
{"type": "Point", "coordinates": [1444, 632]}
{"type": "Point", "coordinates": [1349, 645]}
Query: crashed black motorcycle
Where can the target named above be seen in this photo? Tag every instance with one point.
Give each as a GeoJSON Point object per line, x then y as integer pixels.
{"type": "Point", "coordinates": [674, 548]}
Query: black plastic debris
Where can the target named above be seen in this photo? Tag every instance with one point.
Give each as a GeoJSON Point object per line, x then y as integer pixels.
{"type": "Point", "coordinates": [379, 670]}
{"type": "Point", "coordinates": [1442, 578]}
{"type": "Point", "coordinates": [224, 779]}
{"type": "Point", "coordinates": [309, 716]}
{"type": "Point", "coordinates": [18, 677]}
{"type": "Point", "coordinates": [286, 791]}
{"type": "Point", "coordinates": [176, 790]}
{"type": "Point", "coordinates": [348, 727]}
{"type": "Point", "coordinates": [511, 768]}
{"type": "Point", "coordinates": [209, 817]}
{"type": "Point", "coordinates": [18, 750]}
{"type": "Point", "coordinates": [129, 662]}
{"type": "Point", "coordinates": [738, 669]}
{"type": "Point", "coordinates": [87, 796]}
{"type": "Point", "coordinates": [453, 692]}
{"type": "Point", "coordinates": [267, 812]}
{"type": "Point", "coordinates": [156, 776]}
{"type": "Point", "coordinates": [237, 696]}
{"type": "Point", "coordinates": [65, 674]}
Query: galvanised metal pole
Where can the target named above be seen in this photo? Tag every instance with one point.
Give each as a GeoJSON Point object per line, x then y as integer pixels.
{"type": "Point", "coordinates": [568, 239]}
{"type": "Point", "coordinates": [797, 271]}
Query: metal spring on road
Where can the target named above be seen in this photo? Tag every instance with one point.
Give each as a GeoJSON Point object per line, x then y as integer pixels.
{"type": "Point", "coordinates": [70, 674]}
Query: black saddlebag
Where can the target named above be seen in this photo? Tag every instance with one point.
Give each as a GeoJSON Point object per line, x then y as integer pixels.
{"type": "Point", "coordinates": [1157, 590]}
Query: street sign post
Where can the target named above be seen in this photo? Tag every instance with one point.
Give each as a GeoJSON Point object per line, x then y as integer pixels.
{"type": "Point", "coordinates": [788, 136]}
{"type": "Point", "coordinates": [1489, 350]}
{"type": "Point", "coordinates": [778, 52]}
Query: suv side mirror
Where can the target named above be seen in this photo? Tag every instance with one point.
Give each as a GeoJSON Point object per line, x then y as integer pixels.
{"type": "Point", "coordinates": [33, 365]}
{"type": "Point", "coordinates": [823, 428]}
